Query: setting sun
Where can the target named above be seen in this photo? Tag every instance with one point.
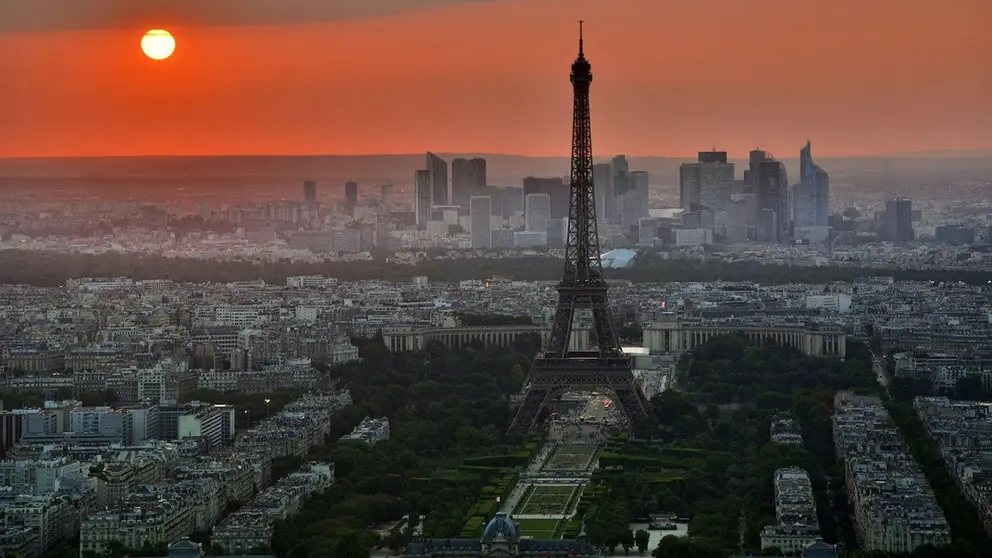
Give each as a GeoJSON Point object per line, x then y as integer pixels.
{"type": "Point", "coordinates": [158, 44]}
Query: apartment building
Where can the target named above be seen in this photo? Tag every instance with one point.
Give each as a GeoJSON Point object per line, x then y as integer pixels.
{"type": "Point", "coordinates": [893, 506]}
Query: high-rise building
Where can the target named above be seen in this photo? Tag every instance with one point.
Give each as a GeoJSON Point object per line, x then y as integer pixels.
{"type": "Point", "coordinates": [309, 194]}
{"type": "Point", "coordinates": [619, 171]}
{"type": "Point", "coordinates": [638, 193]}
{"type": "Point", "coordinates": [537, 211]}
{"type": "Point", "coordinates": [468, 176]}
{"type": "Point", "coordinates": [480, 215]}
{"type": "Point", "coordinates": [811, 196]}
{"type": "Point", "coordinates": [386, 197]}
{"type": "Point", "coordinates": [755, 158]}
{"type": "Point", "coordinates": [772, 194]}
{"type": "Point", "coordinates": [350, 197]}
{"type": "Point", "coordinates": [513, 200]}
{"type": "Point", "coordinates": [899, 220]}
{"type": "Point", "coordinates": [438, 169]}
{"type": "Point", "coordinates": [422, 197]}
{"type": "Point", "coordinates": [496, 196]}
{"type": "Point", "coordinates": [351, 191]}
{"type": "Point", "coordinates": [604, 189]}
{"type": "Point", "coordinates": [811, 173]}
{"type": "Point", "coordinates": [708, 182]}
{"type": "Point", "coordinates": [555, 188]}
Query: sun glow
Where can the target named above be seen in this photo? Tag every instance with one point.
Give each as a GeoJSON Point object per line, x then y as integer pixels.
{"type": "Point", "coordinates": [158, 44]}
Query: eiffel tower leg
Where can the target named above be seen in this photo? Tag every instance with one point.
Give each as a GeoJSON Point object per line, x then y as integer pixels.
{"type": "Point", "coordinates": [535, 400]}
{"type": "Point", "coordinates": [635, 406]}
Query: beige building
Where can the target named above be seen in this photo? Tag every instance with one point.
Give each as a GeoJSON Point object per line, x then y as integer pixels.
{"type": "Point", "coordinates": [414, 338]}
{"type": "Point", "coordinates": [673, 333]}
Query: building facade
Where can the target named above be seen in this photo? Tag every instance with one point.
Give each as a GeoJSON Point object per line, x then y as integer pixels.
{"type": "Point", "coordinates": [468, 176]}
{"type": "Point", "coordinates": [438, 172]}
{"type": "Point", "coordinates": [708, 182]}
{"type": "Point", "coordinates": [537, 212]}
{"type": "Point", "coordinates": [672, 333]}
{"type": "Point", "coordinates": [422, 196]}
{"type": "Point", "coordinates": [480, 215]}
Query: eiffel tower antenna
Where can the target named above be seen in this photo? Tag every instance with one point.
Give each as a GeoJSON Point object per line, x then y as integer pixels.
{"type": "Point", "coordinates": [558, 369]}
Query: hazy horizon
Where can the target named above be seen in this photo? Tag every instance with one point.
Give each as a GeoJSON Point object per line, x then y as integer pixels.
{"type": "Point", "coordinates": [978, 153]}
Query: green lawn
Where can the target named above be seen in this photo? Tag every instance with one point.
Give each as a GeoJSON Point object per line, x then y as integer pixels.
{"type": "Point", "coordinates": [571, 457]}
{"type": "Point", "coordinates": [537, 528]}
{"type": "Point", "coordinates": [546, 500]}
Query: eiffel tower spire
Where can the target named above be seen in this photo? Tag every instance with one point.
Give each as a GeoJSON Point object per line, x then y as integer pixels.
{"type": "Point", "coordinates": [559, 369]}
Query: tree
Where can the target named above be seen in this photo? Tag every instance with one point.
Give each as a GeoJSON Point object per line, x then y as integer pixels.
{"type": "Point", "coordinates": [351, 545]}
{"type": "Point", "coordinates": [396, 540]}
{"type": "Point", "coordinates": [676, 547]}
{"type": "Point", "coordinates": [444, 405]}
{"type": "Point", "coordinates": [627, 540]}
{"type": "Point", "coordinates": [641, 539]}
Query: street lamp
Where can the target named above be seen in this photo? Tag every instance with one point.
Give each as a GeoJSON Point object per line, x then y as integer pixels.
{"type": "Point", "coordinates": [267, 407]}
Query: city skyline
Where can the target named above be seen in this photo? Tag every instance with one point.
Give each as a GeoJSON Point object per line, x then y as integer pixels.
{"type": "Point", "coordinates": [237, 88]}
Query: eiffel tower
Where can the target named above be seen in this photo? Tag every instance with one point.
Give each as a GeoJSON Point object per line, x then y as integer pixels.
{"type": "Point", "coordinates": [557, 369]}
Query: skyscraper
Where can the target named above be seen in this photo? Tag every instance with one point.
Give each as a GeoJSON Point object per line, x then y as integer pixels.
{"type": "Point", "coordinates": [309, 194]}
{"type": "Point", "coordinates": [438, 169]}
{"type": "Point", "coordinates": [537, 211]}
{"type": "Point", "coordinates": [771, 190]}
{"type": "Point", "coordinates": [708, 182]}
{"type": "Point", "coordinates": [480, 215]}
{"type": "Point", "coordinates": [555, 188]}
{"type": "Point", "coordinates": [634, 201]}
{"type": "Point", "coordinates": [755, 158]}
{"type": "Point", "coordinates": [619, 169]}
{"type": "Point", "coordinates": [468, 176]}
{"type": "Point", "coordinates": [818, 182]}
{"type": "Point", "coordinates": [422, 197]}
{"type": "Point", "coordinates": [513, 200]}
{"type": "Point", "coordinates": [899, 220]}
{"type": "Point", "coordinates": [350, 197]}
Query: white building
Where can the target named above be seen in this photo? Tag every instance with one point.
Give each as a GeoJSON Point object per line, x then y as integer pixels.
{"type": "Point", "coordinates": [370, 431]}
{"type": "Point", "coordinates": [537, 211]}
{"type": "Point", "coordinates": [840, 303]}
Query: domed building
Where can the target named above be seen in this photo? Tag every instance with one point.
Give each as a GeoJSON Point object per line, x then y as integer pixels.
{"type": "Point", "coordinates": [501, 537]}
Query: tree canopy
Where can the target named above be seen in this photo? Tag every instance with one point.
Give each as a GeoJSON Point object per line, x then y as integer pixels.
{"type": "Point", "coordinates": [444, 406]}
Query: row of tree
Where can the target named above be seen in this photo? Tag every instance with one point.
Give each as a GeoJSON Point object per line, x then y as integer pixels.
{"type": "Point", "coordinates": [53, 269]}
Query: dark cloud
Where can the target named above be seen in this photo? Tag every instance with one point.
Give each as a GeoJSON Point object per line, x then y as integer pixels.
{"type": "Point", "coordinates": [55, 15]}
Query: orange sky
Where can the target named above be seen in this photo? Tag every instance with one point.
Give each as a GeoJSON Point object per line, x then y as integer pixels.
{"type": "Point", "coordinates": [671, 77]}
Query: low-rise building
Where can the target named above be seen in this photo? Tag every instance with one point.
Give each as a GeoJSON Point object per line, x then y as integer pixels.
{"type": "Point", "coordinates": [370, 431]}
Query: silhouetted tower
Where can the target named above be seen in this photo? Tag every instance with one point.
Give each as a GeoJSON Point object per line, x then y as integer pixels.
{"type": "Point", "coordinates": [559, 369]}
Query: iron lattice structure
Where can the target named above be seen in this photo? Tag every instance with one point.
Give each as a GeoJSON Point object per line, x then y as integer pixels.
{"type": "Point", "coordinates": [559, 369]}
